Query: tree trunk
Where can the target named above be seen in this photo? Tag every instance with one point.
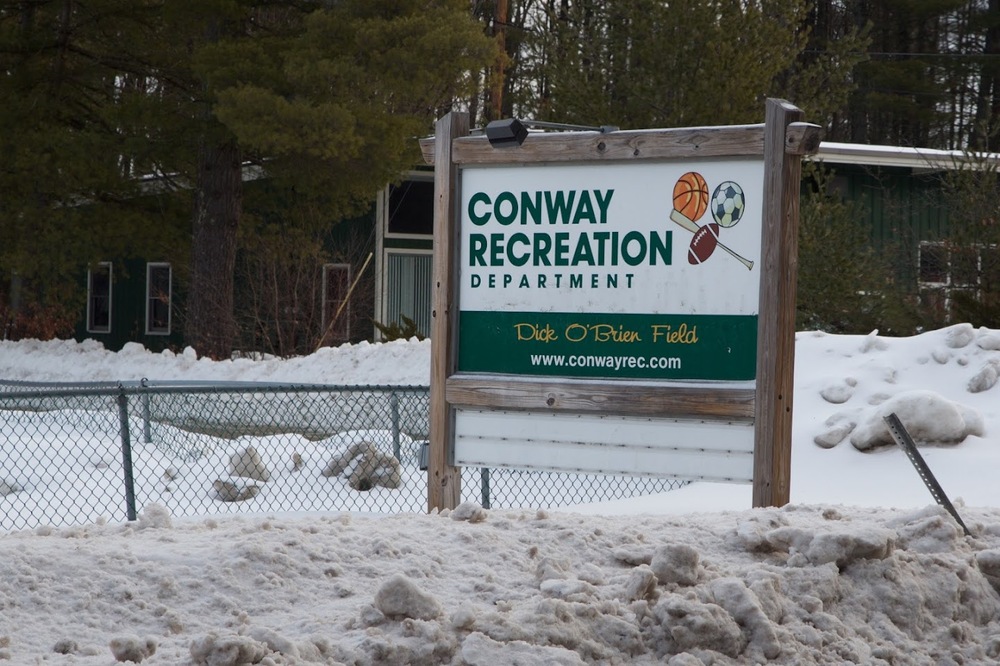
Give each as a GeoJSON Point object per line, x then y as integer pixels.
{"type": "Point", "coordinates": [500, 34]}
{"type": "Point", "coordinates": [987, 136]}
{"type": "Point", "coordinates": [209, 326]}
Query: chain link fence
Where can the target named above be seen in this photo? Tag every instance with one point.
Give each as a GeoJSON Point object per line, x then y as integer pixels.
{"type": "Point", "coordinates": [72, 455]}
{"type": "Point", "coordinates": [502, 488]}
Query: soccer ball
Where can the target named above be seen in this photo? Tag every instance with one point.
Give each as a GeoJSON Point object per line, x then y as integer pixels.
{"type": "Point", "coordinates": [728, 204]}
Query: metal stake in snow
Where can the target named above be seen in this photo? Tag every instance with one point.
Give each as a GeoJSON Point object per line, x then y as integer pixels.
{"type": "Point", "coordinates": [904, 440]}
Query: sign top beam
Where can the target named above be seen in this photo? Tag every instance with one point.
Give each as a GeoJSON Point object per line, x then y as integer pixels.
{"type": "Point", "coordinates": [630, 145]}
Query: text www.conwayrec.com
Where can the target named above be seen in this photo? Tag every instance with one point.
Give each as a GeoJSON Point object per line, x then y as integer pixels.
{"type": "Point", "coordinates": [605, 361]}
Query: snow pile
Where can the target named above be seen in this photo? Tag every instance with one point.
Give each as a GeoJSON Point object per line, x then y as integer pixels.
{"type": "Point", "coordinates": [796, 585]}
{"type": "Point", "coordinates": [400, 363]}
{"type": "Point", "coordinates": [699, 579]}
{"type": "Point", "coordinates": [929, 417]}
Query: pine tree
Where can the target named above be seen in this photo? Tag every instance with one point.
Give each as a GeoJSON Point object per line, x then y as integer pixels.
{"type": "Point", "coordinates": [985, 20]}
{"type": "Point", "coordinates": [68, 196]}
{"type": "Point", "coordinates": [648, 63]}
{"type": "Point", "coordinates": [324, 98]}
{"type": "Point", "coordinates": [930, 78]}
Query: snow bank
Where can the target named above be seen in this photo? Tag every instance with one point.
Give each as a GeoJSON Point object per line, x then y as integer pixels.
{"type": "Point", "coordinates": [797, 585]}
{"type": "Point", "coordinates": [400, 362]}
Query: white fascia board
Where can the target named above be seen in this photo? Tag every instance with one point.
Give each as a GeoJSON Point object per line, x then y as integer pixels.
{"type": "Point", "coordinates": [896, 156]}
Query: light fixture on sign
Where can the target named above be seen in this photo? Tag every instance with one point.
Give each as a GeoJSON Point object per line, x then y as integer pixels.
{"type": "Point", "coordinates": [506, 133]}
{"type": "Point", "coordinates": [511, 132]}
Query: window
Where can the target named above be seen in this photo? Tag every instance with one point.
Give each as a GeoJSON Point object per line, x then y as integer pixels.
{"type": "Point", "coordinates": [159, 285]}
{"type": "Point", "coordinates": [99, 298]}
{"type": "Point", "coordinates": [411, 208]}
{"type": "Point", "coordinates": [405, 234]}
{"type": "Point", "coordinates": [336, 306]}
{"type": "Point", "coordinates": [408, 282]}
{"type": "Point", "coordinates": [945, 270]}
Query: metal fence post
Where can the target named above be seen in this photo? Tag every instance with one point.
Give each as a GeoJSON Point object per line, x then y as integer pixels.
{"type": "Point", "coordinates": [394, 407]}
{"type": "Point", "coordinates": [147, 434]}
{"type": "Point", "coordinates": [126, 455]}
{"type": "Point", "coordinates": [484, 479]}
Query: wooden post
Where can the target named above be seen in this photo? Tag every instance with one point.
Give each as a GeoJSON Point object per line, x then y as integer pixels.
{"type": "Point", "coordinates": [444, 489]}
{"type": "Point", "coordinates": [776, 317]}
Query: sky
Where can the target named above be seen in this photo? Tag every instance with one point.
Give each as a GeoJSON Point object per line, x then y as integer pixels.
{"type": "Point", "coordinates": [862, 566]}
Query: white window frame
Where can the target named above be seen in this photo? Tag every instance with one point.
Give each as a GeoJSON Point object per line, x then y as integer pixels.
{"type": "Point", "coordinates": [150, 297]}
{"type": "Point", "coordinates": [415, 176]}
{"type": "Point", "coordinates": [949, 286]}
{"type": "Point", "coordinates": [345, 315]}
{"type": "Point", "coordinates": [91, 327]}
{"type": "Point", "coordinates": [383, 314]}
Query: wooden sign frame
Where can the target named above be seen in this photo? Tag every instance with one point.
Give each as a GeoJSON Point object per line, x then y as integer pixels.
{"type": "Point", "coordinates": [782, 140]}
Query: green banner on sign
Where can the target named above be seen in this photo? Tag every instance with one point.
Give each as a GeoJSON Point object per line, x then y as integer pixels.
{"type": "Point", "coordinates": [633, 346]}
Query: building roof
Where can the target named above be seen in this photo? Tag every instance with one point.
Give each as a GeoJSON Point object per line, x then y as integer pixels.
{"type": "Point", "coordinates": [896, 156]}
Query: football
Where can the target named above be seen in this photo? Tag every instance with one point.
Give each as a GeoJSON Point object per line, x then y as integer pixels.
{"type": "Point", "coordinates": [703, 243]}
{"type": "Point", "coordinates": [728, 204]}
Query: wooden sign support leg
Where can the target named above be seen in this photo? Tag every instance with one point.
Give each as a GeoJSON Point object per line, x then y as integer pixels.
{"type": "Point", "coordinates": [444, 489]}
{"type": "Point", "coordinates": [776, 322]}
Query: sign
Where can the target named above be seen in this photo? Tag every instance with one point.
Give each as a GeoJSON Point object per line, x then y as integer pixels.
{"type": "Point", "coordinates": [617, 302]}
{"type": "Point", "coordinates": [589, 271]}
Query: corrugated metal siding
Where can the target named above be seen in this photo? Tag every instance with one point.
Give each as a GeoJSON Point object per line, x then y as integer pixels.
{"type": "Point", "coordinates": [408, 289]}
{"type": "Point", "coordinates": [902, 207]}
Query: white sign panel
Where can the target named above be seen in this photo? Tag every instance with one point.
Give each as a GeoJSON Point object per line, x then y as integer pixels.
{"type": "Point", "coordinates": [626, 271]}
{"type": "Point", "coordinates": [612, 239]}
{"type": "Point", "coordinates": [605, 444]}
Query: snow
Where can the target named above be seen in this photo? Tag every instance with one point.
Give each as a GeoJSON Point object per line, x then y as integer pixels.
{"type": "Point", "coordinates": [861, 567]}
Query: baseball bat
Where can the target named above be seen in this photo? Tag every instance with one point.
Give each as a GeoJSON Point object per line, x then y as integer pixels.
{"type": "Point", "coordinates": [693, 226]}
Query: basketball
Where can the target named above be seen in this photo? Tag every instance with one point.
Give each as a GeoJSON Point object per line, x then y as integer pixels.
{"type": "Point", "coordinates": [691, 195]}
